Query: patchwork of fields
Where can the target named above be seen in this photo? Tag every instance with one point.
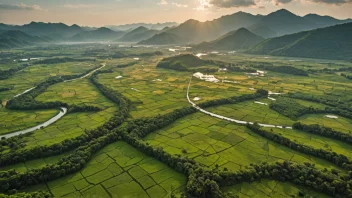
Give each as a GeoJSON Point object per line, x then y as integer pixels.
{"type": "Point", "coordinates": [132, 156]}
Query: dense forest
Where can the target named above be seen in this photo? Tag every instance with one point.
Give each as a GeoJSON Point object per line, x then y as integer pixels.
{"type": "Point", "coordinates": [335, 105]}
{"type": "Point", "coordinates": [284, 70]}
{"type": "Point", "coordinates": [203, 182]}
{"type": "Point", "coordinates": [324, 131]}
{"type": "Point", "coordinates": [63, 60]}
{"type": "Point", "coordinates": [27, 101]}
{"type": "Point", "coordinates": [5, 74]}
{"type": "Point", "coordinates": [22, 155]}
{"type": "Point", "coordinates": [346, 76]}
{"type": "Point", "coordinates": [183, 62]}
{"type": "Point", "coordinates": [338, 159]}
{"type": "Point", "coordinates": [290, 108]}
{"type": "Point", "coordinates": [4, 89]}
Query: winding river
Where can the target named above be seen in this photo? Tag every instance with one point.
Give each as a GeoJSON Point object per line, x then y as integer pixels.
{"type": "Point", "coordinates": [53, 119]}
{"type": "Point", "coordinates": [45, 124]}
{"type": "Point", "coordinates": [226, 118]}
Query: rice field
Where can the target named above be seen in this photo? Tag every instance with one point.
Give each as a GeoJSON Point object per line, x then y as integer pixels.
{"type": "Point", "coordinates": [217, 143]}
{"type": "Point", "coordinates": [18, 120]}
{"type": "Point", "coordinates": [119, 170]}
{"type": "Point", "coordinates": [269, 188]}
{"type": "Point", "coordinates": [35, 74]}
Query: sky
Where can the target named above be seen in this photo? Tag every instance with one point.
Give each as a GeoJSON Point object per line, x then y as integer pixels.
{"type": "Point", "coordinates": [116, 12]}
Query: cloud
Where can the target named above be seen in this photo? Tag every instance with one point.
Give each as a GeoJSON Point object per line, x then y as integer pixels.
{"type": "Point", "coordinates": [203, 5]}
{"type": "Point", "coordinates": [336, 2]}
{"type": "Point", "coordinates": [163, 2]}
{"type": "Point", "coordinates": [19, 7]}
{"type": "Point", "coordinates": [75, 6]}
{"type": "Point", "coordinates": [280, 2]}
{"type": "Point", "coordinates": [232, 3]}
{"type": "Point", "coordinates": [180, 5]}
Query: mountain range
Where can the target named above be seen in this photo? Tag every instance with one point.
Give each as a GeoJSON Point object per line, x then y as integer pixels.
{"type": "Point", "coordinates": [138, 34]}
{"type": "Point", "coordinates": [56, 31]}
{"type": "Point", "coordinates": [279, 33]}
{"type": "Point", "coordinates": [241, 39]}
{"type": "Point", "coordinates": [275, 24]}
{"type": "Point", "coordinates": [15, 38]}
{"type": "Point", "coordinates": [100, 34]}
{"type": "Point", "coordinates": [333, 42]}
{"type": "Point", "coordinates": [130, 27]}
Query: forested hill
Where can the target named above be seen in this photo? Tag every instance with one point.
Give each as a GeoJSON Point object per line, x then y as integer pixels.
{"type": "Point", "coordinates": [101, 34]}
{"type": "Point", "coordinates": [138, 34]}
{"type": "Point", "coordinates": [15, 38]}
{"type": "Point", "coordinates": [278, 23]}
{"type": "Point", "coordinates": [241, 39]}
{"type": "Point", "coordinates": [333, 42]}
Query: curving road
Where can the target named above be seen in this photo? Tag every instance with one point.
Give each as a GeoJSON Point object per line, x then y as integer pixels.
{"type": "Point", "coordinates": [45, 124]}
{"type": "Point", "coordinates": [226, 118]}
{"type": "Point", "coordinates": [53, 119]}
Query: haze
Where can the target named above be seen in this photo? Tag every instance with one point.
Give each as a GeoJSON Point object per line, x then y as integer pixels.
{"type": "Point", "coordinates": [114, 12]}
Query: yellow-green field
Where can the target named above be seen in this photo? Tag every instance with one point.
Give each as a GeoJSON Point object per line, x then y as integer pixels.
{"type": "Point", "coordinates": [120, 170]}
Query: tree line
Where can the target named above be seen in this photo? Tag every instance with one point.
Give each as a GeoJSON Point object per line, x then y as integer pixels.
{"type": "Point", "coordinates": [83, 108]}
{"type": "Point", "coordinates": [284, 69]}
{"type": "Point", "coordinates": [37, 194]}
{"type": "Point", "coordinates": [27, 101]}
{"type": "Point", "coordinates": [202, 182]}
{"type": "Point", "coordinates": [346, 76]}
{"type": "Point", "coordinates": [338, 159]}
{"type": "Point", "coordinates": [323, 131]}
{"type": "Point", "coordinates": [329, 71]}
{"type": "Point", "coordinates": [63, 60]}
{"type": "Point", "coordinates": [336, 105]}
{"type": "Point", "coordinates": [126, 65]}
{"type": "Point", "coordinates": [205, 182]}
{"type": "Point", "coordinates": [260, 93]}
{"type": "Point", "coordinates": [4, 89]}
{"type": "Point", "coordinates": [12, 180]}
{"type": "Point", "coordinates": [5, 74]}
{"type": "Point", "coordinates": [22, 155]}
{"type": "Point", "coordinates": [291, 108]}
{"type": "Point", "coordinates": [233, 67]}
{"type": "Point", "coordinates": [125, 55]}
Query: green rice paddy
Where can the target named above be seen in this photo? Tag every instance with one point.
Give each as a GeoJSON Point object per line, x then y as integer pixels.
{"type": "Point", "coordinates": [120, 170]}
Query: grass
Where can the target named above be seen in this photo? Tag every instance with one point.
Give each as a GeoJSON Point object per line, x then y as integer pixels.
{"type": "Point", "coordinates": [35, 74]}
{"type": "Point", "coordinates": [215, 142]}
{"type": "Point", "coordinates": [78, 92]}
{"type": "Point", "coordinates": [267, 188]}
{"type": "Point", "coordinates": [12, 121]}
{"type": "Point", "coordinates": [121, 171]}
{"type": "Point", "coordinates": [34, 164]}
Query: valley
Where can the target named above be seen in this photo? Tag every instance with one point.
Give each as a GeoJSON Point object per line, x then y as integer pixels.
{"type": "Point", "coordinates": [243, 105]}
{"type": "Point", "coordinates": [199, 123]}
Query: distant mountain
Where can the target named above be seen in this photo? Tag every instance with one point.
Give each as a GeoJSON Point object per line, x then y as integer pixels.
{"type": "Point", "coordinates": [53, 30]}
{"type": "Point", "coordinates": [101, 34]}
{"type": "Point", "coordinates": [241, 39]}
{"type": "Point", "coordinates": [182, 62]}
{"type": "Point", "coordinates": [284, 22]}
{"type": "Point", "coordinates": [278, 23]}
{"type": "Point", "coordinates": [16, 39]}
{"type": "Point", "coordinates": [325, 20]}
{"type": "Point", "coordinates": [263, 31]}
{"type": "Point", "coordinates": [154, 26]}
{"type": "Point", "coordinates": [163, 38]}
{"type": "Point", "coordinates": [193, 31]}
{"type": "Point", "coordinates": [138, 34]}
{"type": "Point", "coordinates": [333, 42]}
